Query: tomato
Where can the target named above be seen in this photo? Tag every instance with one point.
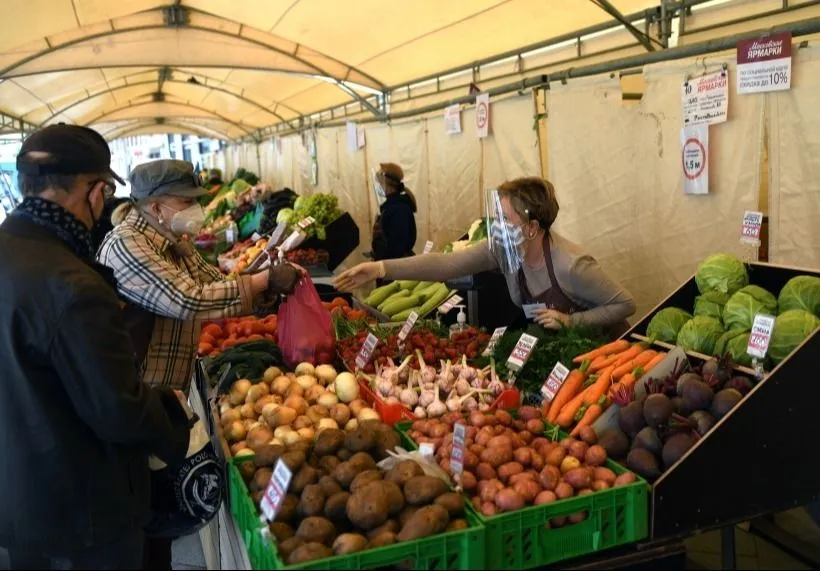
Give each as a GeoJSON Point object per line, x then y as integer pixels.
{"type": "Point", "coordinates": [270, 329]}
{"type": "Point", "coordinates": [255, 337]}
{"type": "Point", "coordinates": [232, 329]}
{"type": "Point", "coordinates": [205, 349]}
{"type": "Point", "coordinates": [214, 330]}
{"type": "Point", "coordinates": [207, 338]}
{"type": "Point", "coordinates": [258, 328]}
{"type": "Point", "coordinates": [228, 343]}
{"type": "Point", "coordinates": [246, 328]}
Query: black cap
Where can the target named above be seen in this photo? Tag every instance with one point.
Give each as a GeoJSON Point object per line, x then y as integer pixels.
{"type": "Point", "coordinates": [166, 177]}
{"type": "Point", "coordinates": [73, 150]}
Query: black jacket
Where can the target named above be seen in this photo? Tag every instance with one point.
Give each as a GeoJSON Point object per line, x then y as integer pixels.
{"type": "Point", "coordinates": [76, 425]}
{"type": "Point", "coordinates": [394, 234]}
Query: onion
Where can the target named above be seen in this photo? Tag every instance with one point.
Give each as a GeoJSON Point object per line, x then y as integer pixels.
{"type": "Point", "coordinates": [259, 405]}
{"type": "Point", "coordinates": [368, 414]}
{"type": "Point", "coordinates": [230, 415]}
{"type": "Point", "coordinates": [292, 437]}
{"type": "Point", "coordinates": [239, 391]}
{"type": "Point", "coordinates": [314, 392]}
{"type": "Point", "coordinates": [327, 399]}
{"type": "Point", "coordinates": [352, 424]}
{"type": "Point", "coordinates": [306, 433]}
{"type": "Point", "coordinates": [356, 405]}
{"type": "Point", "coordinates": [259, 436]}
{"type": "Point", "coordinates": [281, 431]}
{"type": "Point", "coordinates": [247, 411]}
{"type": "Point", "coordinates": [298, 404]}
{"type": "Point", "coordinates": [326, 374]}
{"type": "Point", "coordinates": [306, 381]}
{"type": "Point", "coordinates": [301, 421]}
{"type": "Point", "coordinates": [326, 423]}
{"type": "Point", "coordinates": [256, 392]}
{"type": "Point", "coordinates": [294, 390]}
{"type": "Point", "coordinates": [283, 415]}
{"type": "Point", "coordinates": [236, 431]}
{"type": "Point", "coordinates": [347, 388]}
{"type": "Point", "coordinates": [304, 369]}
{"type": "Point", "coordinates": [271, 373]}
{"type": "Point", "coordinates": [244, 452]}
{"type": "Point", "coordinates": [280, 385]}
{"type": "Point", "coordinates": [236, 447]}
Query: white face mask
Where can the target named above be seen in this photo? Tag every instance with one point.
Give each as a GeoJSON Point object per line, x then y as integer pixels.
{"type": "Point", "coordinates": [381, 195]}
{"type": "Point", "coordinates": [188, 221]}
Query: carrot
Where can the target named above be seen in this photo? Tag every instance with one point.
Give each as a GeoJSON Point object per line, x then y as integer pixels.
{"type": "Point", "coordinates": [600, 388]}
{"type": "Point", "coordinates": [572, 385]}
{"type": "Point", "coordinates": [590, 415]}
{"type": "Point", "coordinates": [629, 354]}
{"type": "Point", "coordinates": [642, 359]}
{"type": "Point", "coordinates": [654, 361]}
{"type": "Point", "coordinates": [604, 362]}
{"type": "Point", "coordinates": [603, 350]}
{"type": "Point", "coordinates": [627, 381]}
{"type": "Point", "coordinates": [567, 415]}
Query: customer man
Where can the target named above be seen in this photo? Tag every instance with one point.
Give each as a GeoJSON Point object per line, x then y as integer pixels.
{"type": "Point", "coordinates": [76, 424]}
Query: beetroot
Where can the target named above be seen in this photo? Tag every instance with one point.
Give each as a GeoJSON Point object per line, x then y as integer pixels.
{"type": "Point", "coordinates": [676, 447]}
{"type": "Point", "coordinates": [697, 395]}
{"type": "Point", "coordinates": [702, 421]}
{"type": "Point", "coordinates": [657, 410]}
{"type": "Point", "coordinates": [644, 463]}
{"type": "Point", "coordinates": [685, 379]}
{"type": "Point", "coordinates": [630, 417]}
{"type": "Point", "coordinates": [725, 401]}
{"type": "Point", "coordinates": [717, 371]}
{"type": "Point", "coordinates": [648, 439]}
{"type": "Point", "coordinates": [739, 383]}
{"type": "Point", "coordinates": [680, 406]}
{"type": "Point", "coordinates": [615, 442]}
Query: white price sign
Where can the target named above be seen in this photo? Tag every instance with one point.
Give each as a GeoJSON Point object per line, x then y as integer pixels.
{"type": "Point", "coordinates": [521, 352]}
{"type": "Point", "coordinates": [277, 234]}
{"type": "Point", "coordinates": [750, 231]}
{"type": "Point", "coordinates": [276, 490]}
{"type": "Point", "coordinates": [764, 64]}
{"type": "Point", "coordinates": [363, 358]}
{"type": "Point", "coordinates": [457, 455]}
{"type": "Point", "coordinates": [427, 449]}
{"type": "Point", "coordinates": [408, 325]}
{"type": "Point", "coordinates": [306, 222]}
{"type": "Point", "coordinates": [428, 246]}
{"type": "Point", "coordinates": [531, 308]}
{"type": "Point", "coordinates": [695, 159]}
{"type": "Point", "coordinates": [554, 381]}
{"type": "Point", "coordinates": [296, 237]}
{"type": "Point", "coordinates": [760, 336]}
{"type": "Point", "coordinates": [450, 304]}
{"type": "Point", "coordinates": [497, 334]}
{"type": "Point", "coordinates": [452, 119]}
{"type": "Point", "coordinates": [706, 99]}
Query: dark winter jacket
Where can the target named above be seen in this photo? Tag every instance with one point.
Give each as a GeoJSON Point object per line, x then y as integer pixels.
{"type": "Point", "coordinates": [394, 234]}
{"type": "Point", "coordinates": [76, 424]}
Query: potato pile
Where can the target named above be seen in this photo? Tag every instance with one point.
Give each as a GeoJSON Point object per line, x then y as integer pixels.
{"type": "Point", "coordinates": [339, 502]}
{"type": "Point", "coordinates": [509, 465]}
{"type": "Point", "coordinates": [285, 408]}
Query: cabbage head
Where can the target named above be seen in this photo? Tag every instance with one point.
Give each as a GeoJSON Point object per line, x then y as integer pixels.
{"type": "Point", "coordinates": [299, 203]}
{"type": "Point", "coordinates": [734, 343]}
{"type": "Point", "coordinates": [790, 329]}
{"type": "Point", "coordinates": [284, 215]}
{"type": "Point", "coordinates": [721, 272]}
{"type": "Point", "coordinates": [744, 304]}
{"type": "Point", "coordinates": [700, 334]}
{"type": "Point", "coordinates": [665, 325]}
{"type": "Point", "coordinates": [710, 304]}
{"type": "Point", "coordinates": [801, 292]}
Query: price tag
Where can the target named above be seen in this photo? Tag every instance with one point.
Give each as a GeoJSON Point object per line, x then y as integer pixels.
{"type": "Point", "coordinates": [750, 231]}
{"type": "Point", "coordinates": [408, 325]}
{"type": "Point", "coordinates": [277, 234]}
{"type": "Point", "coordinates": [276, 490]}
{"type": "Point", "coordinates": [531, 308]}
{"type": "Point", "coordinates": [428, 247]}
{"type": "Point", "coordinates": [256, 236]}
{"type": "Point", "coordinates": [457, 455]}
{"type": "Point", "coordinates": [306, 222]}
{"type": "Point", "coordinates": [363, 358]}
{"type": "Point", "coordinates": [554, 381]}
{"type": "Point", "coordinates": [521, 352]}
{"type": "Point", "coordinates": [497, 334]}
{"type": "Point", "coordinates": [296, 237]}
{"type": "Point", "coordinates": [445, 307]}
{"type": "Point", "coordinates": [760, 336]}
{"type": "Point", "coordinates": [230, 235]}
{"type": "Point", "coordinates": [427, 449]}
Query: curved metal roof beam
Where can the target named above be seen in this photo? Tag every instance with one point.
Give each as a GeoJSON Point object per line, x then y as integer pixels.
{"type": "Point", "coordinates": [188, 105]}
{"type": "Point", "coordinates": [154, 82]}
{"type": "Point", "coordinates": [193, 129]}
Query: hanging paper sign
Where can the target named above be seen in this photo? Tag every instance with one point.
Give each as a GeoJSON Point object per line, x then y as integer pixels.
{"type": "Point", "coordinates": [360, 141]}
{"type": "Point", "coordinates": [457, 454]}
{"type": "Point", "coordinates": [428, 246]}
{"type": "Point", "coordinates": [450, 304]}
{"type": "Point", "coordinates": [521, 352]}
{"type": "Point", "coordinates": [408, 325]}
{"type": "Point", "coordinates": [452, 119]}
{"type": "Point", "coordinates": [497, 334]}
{"type": "Point", "coordinates": [352, 136]}
{"type": "Point", "coordinates": [363, 358]}
{"type": "Point", "coordinates": [706, 99]}
{"type": "Point", "coordinates": [276, 490]}
{"type": "Point", "coordinates": [764, 64]}
{"type": "Point", "coordinates": [750, 231]}
{"type": "Point", "coordinates": [554, 381]}
{"type": "Point", "coordinates": [482, 115]}
{"type": "Point", "coordinates": [760, 336]}
{"type": "Point", "coordinates": [695, 159]}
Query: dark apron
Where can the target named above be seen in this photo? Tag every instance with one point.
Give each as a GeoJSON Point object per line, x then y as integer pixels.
{"type": "Point", "coordinates": [555, 298]}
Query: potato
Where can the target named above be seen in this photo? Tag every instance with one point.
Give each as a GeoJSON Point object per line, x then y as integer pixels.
{"type": "Point", "coordinates": [599, 485]}
{"type": "Point", "coordinates": [487, 489]}
{"type": "Point", "coordinates": [485, 471]}
{"type": "Point", "coordinates": [268, 454]}
{"type": "Point", "coordinates": [395, 498]}
{"type": "Point", "coordinates": [528, 488]}
{"type": "Point", "coordinates": [545, 497]}
{"type": "Point", "coordinates": [570, 463]}
{"type": "Point", "coordinates": [504, 441]}
{"type": "Point", "coordinates": [563, 491]}
{"type": "Point", "coordinates": [523, 456]}
{"type": "Point", "coordinates": [578, 449]}
{"type": "Point", "coordinates": [280, 530]}
{"type": "Point", "coordinates": [504, 417]}
{"type": "Point", "coordinates": [312, 501]}
{"type": "Point", "coordinates": [289, 545]}
{"type": "Point", "coordinates": [528, 475]}
{"type": "Point", "coordinates": [362, 439]}
{"type": "Point", "coordinates": [294, 459]}
{"type": "Point", "coordinates": [369, 508]}
{"type": "Point", "coordinates": [329, 485]}
{"type": "Point", "coordinates": [604, 474]}
{"type": "Point", "coordinates": [457, 525]}
{"type": "Point", "coordinates": [329, 442]}
{"type": "Point", "coordinates": [257, 496]}
{"type": "Point", "coordinates": [588, 435]}
{"type": "Point", "coordinates": [309, 551]}
{"type": "Point", "coordinates": [489, 509]}
{"type": "Point", "coordinates": [509, 500]}
{"type": "Point", "coordinates": [452, 502]}
{"type": "Point", "coordinates": [363, 478]}
{"type": "Point", "coordinates": [340, 413]}
{"type": "Point", "coordinates": [344, 454]}
{"type": "Point", "coordinates": [467, 481]}
{"type": "Point", "coordinates": [387, 440]}
{"type": "Point", "coordinates": [505, 471]}
{"type": "Point", "coordinates": [578, 478]}
{"type": "Point", "coordinates": [363, 461]}
{"type": "Point", "coordinates": [344, 473]}
{"type": "Point", "coordinates": [260, 480]}
{"type": "Point", "coordinates": [247, 469]}
{"type": "Point", "coordinates": [549, 477]}
{"type": "Point", "coordinates": [383, 539]}
{"type": "Point", "coordinates": [287, 511]}
{"type": "Point", "coordinates": [595, 455]}
{"type": "Point", "coordinates": [421, 490]}
{"type": "Point", "coordinates": [349, 543]}
{"type": "Point", "coordinates": [390, 525]}
{"type": "Point", "coordinates": [403, 471]}
{"type": "Point", "coordinates": [557, 522]}
{"type": "Point", "coordinates": [556, 456]}
{"type": "Point", "coordinates": [336, 507]}
{"type": "Point", "coordinates": [496, 456]}
{"type": "Point", "coordinates": [316, 529]}
{"type": "Point", "coordinates": [427, 521]}
{"type": "Point", "coordinates": [624, 480]}
{"type": "Point", "coordinates": [304, 477]}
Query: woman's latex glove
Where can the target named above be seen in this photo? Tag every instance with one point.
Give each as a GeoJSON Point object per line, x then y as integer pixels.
{"type": "Point", "coordinates": [359, 276]}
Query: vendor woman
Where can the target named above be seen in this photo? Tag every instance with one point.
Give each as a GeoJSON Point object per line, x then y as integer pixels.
{"type": "Point", "coordinates": [543, 270]}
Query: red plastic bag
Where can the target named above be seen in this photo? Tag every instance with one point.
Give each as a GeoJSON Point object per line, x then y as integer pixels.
{"type": "Point", "coordinates": [305, 327]}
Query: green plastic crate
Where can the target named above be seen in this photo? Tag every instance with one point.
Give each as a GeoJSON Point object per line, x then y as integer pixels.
{"type": "Point", "coordinates": [462, 549]}
{"type": "Point", "coordinates": [523, 539]}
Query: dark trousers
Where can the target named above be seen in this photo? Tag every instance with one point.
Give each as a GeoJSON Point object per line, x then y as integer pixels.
{"type": "Point", "coordinates": [125, 553]}
{"type": "Point", "coordinates": [157, 553]}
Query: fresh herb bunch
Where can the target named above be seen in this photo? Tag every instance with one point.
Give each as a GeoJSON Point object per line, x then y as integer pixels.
{"type": "Point", "coordinates": [562, 345]}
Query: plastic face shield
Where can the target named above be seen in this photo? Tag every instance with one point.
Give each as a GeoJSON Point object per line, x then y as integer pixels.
{"type": "Point", "coordinates": [378, 188]}
{"type": "Point", "coordinates": [506, 240]}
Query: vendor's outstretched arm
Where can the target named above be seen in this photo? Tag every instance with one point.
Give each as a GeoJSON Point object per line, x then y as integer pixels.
{"type": "Point", "coordinates": [442, 267]}
{"type": "Point", "coordinates": [610, 302]}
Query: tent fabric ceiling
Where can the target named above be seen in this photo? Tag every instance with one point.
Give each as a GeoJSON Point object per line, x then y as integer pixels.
{"type": "Point", "coordinates": [233, 67]}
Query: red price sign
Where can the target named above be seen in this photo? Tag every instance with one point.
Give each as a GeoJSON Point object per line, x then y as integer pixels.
{"type": "Point", "coordinates": [750, 231]}
{"type": "Point", "coordinates": [521, 353]}
{"type": "Point", "coordinates": [554, 381]}
{"type": "Point", "coordinates": [457, 455]}
{"type": "Point", "coordinates": [760, 336]}
{"type": "Point", "coordinates": [408, 325]}
{"type": "Point", "coordinates": [363, 358]}
{"type": "Point", "coordinates": [276, 490]}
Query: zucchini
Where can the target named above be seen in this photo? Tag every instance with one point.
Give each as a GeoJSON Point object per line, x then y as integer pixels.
{"type": "Point", "coordinates": [437, 298]}
{"type": "Point", "coordinates": [403, 315]}
{"type": "Point", "coordinates": [409, 285]}
{"type": "Point", "coordinates": [379, 294]}
{"type": "Point", "coordinates": [398, 295]}
{"type": "Point", "coordinates": [420, 286]}
{"type": "Point", "coordinates": [400, 305]}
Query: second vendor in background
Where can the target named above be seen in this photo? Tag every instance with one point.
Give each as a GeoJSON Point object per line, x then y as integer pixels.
{"type": "Point", "coordinates": [394, 233]}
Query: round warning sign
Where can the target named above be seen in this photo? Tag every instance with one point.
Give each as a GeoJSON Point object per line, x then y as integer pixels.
{"type": "Point", "coordinates": [481, 114]}
{"type": "Point", "coordinates": [693, 158]}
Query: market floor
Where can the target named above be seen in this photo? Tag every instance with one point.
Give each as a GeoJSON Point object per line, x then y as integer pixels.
{"type": "Point", "coordinates": [188, 554]}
